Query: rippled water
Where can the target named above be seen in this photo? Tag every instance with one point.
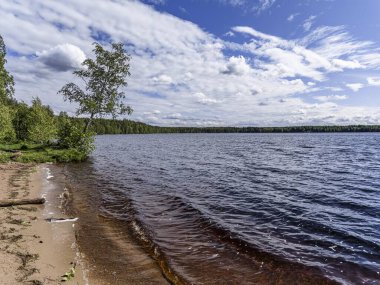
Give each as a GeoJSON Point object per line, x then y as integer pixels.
{"type": "Point", "coordinates": [245, 208]}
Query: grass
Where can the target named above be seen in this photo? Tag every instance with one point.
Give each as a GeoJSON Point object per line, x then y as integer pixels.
{"type": "Point", "coordinates": [37, 153]}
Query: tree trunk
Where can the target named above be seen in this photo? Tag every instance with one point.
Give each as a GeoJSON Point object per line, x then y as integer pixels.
{"type": "Point", "coordinates": [8, 203]}
{"type": "Point", "coordinates": [88, 123]}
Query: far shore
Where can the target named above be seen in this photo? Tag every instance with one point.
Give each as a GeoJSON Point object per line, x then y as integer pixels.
{"type": "Point", "coordinates": [33, 248]}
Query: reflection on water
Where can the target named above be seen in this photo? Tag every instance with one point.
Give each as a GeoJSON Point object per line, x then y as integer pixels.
{"type": "Point", "coordinates": [238, 208]}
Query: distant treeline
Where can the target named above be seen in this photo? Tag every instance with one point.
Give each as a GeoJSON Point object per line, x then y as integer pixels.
{"type": "Point", "coordinates": [108, 126]}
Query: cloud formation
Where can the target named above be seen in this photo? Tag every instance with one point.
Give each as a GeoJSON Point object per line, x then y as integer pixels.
{"type": "Point", "coordinates": [292, 17]}
{"type": "Point", "coordinates": [183, 75]}
{"type": "Point", "coordinates": [308, 23]}
{"type": "Point", "coordinates": [237, 65]}
{"type": "Point", "coordinates": [234, 3]}
{"type": "Point", "coordinates": [62, 57]}
{"type": "Point", "coordinates": [264, 5]}
{"type": "Point", "coordinates": [373, 81]}
{"type": "Point", "coordinates": [329, 98]}
{"type": "Point", "coordinates": [355, 86]}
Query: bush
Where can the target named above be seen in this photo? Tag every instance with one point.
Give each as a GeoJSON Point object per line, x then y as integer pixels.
{"type": "Point", "coordinates": [71, 136]}
{"type": "Point", "coordinates": [24, 147]}
{"type": "Point", "coordinates": [4, 157]}
{"type": "Point", "coordinates": [21, 122]}
{"type": "Point", "coordinates": [43, 128]}
{"type": "Point", "coordinates": [7, 132]}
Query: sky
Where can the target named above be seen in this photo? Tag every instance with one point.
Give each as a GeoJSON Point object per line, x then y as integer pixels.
{"type": "Point", "coordinates": [208, 62]}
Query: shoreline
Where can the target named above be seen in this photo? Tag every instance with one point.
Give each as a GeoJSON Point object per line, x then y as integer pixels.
{"type": "Point", "coordinates": [112, 252]}
{"type": "Point", "coordinates": [39, 244]}
{"type": "Point", "coordinates": [35, 248]}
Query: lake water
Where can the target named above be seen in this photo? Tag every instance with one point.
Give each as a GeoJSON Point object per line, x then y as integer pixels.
{"type": "Point", "coordinates": [243, 208]}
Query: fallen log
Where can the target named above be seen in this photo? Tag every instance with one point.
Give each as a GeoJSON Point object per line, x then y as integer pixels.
{"type": "Point", "coordinates": [61, 220]}
{"type": "Point", "coordinates": [16, 202]}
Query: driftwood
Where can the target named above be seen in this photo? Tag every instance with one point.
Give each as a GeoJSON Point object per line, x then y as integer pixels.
{"type": "Point", "coordinates": [16, 202]}
{"type": "Point", "coordinates": [61, 220]}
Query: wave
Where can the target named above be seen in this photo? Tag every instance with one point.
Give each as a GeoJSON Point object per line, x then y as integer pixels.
{"type": "Point", "coordinates": [199, 221]}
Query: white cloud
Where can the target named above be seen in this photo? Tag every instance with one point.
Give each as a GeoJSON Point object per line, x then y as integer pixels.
{"type": "Point", "coordinates": [355, 86]}
{"type": "Point", "coordinates": [229, 34]}
{"type": "Point", "coordinates": [237, 65]}
{"type": "Point", "coordinates": [334, 88]}
{"type": "Point", "coordinates": [174, 116]}
{"type": "Point", "coordinates": [62, 57]}
{"type": "Point", "coordinates": [343, 64]}
{"type": "Point", "coordinates": [162, 79]}
{"type": "Point", "coordinates": [233, 3]}
{"type": "Point", "coordinates": [181, 75]}
{"type": "Point", "coordinates": [373, 81]}
{"type": "Point", "coordinates": [248, 5]}
{"type": "Point", "coordinates": [308, 23]}
{"type": "Point", "coordinates": [337, 43]}
{"type": "Point", "coordinates": [264, 5]}
{"type": "Point", "coordinates": [330, 98]}
{"type": "Point", "coordinates": [203, 99]}
{"type": "Point", "coordinates": [156, 2]}
{"type": "Point", "coordinates": [287, 58]}
{"type": "Point", "coordinates": [291, 17]}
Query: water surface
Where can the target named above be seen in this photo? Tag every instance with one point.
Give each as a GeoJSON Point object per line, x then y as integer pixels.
{"type": "Point", "coordinates": [244, 208]}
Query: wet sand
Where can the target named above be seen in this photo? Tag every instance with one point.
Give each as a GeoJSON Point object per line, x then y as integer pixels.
{"type": "Point", "coordinates": [40, 243]}
{"type": "Point", "coordinates": [32, 249]}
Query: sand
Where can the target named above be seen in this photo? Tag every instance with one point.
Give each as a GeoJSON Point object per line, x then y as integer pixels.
{"type": "Point", "coordinates": [32, 249]}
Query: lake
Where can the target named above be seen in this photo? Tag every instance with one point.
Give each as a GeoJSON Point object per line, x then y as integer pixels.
{"type": "Point", "coordinates": [241, 208]}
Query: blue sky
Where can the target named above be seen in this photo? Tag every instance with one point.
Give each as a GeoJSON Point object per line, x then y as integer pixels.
{"type": "Point", "coordinates": [218, 17]}
{"type": "Point", "coordinates": [209, 62]}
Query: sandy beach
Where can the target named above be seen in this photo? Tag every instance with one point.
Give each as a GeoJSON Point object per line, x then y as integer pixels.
{"type": "Point", "coordinates": [39, 244]}
{"type": "Point", "coordinates": [35, 248]}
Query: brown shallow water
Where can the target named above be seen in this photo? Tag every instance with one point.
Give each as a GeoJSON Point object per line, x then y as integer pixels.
{"type": "Point", "coordinates": [111, 253]}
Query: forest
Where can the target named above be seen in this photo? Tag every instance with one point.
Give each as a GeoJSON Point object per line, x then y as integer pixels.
{"type": "Point", "coordinates": [108, 126]}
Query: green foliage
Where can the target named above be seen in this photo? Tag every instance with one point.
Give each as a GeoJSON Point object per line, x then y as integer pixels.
{"type": "Point", "coordinates": [103, 77]}
{"type": "Point", "coordinates": [38, 153]}
{"type": "Point", "coordinates": [19, 146]}
{"type": "Point", "coordinates": [6, 80]}
{"type": "Point", "coordinates": [70, 135]}
{"type": "Point", "coordinates": [42, 124]}
{"type": "Point", "coordinates": [68, 275]}
{"type": "Point", "coordinates": [67, 155]}
{"type": "Point", "coordinates": [52, 155]}
{"type": "Point", "coordinates": [5, 157]}
{"type": "Point", "coordinates": [7, 133]}
{"type": "Point", "coordinates": [21, 122]}
{"type": "Point", "coordinates": [35, 156]}
{"type": "Point", "coordinates": [6, 93]}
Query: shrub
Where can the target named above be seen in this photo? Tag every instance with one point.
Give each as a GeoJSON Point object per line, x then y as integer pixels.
{"type": "Point", "coordinates": [21, 122]}
{"type": "Point", "coordinates": [71, 136]}
{"type": "Point", "coordinates": [7, 132]}
{"type": "Point", "coordinates": [43, 128]}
